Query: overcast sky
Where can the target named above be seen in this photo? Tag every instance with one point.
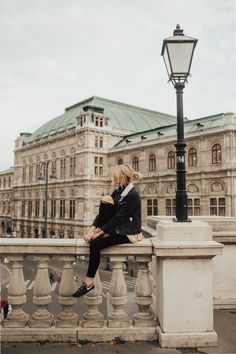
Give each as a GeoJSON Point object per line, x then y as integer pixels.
{"type": "Point", "coordinates": [55, 53]}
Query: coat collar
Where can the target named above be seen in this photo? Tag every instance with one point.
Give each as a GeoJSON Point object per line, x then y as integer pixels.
{"type": "Point", "coordinates": [126, 190]}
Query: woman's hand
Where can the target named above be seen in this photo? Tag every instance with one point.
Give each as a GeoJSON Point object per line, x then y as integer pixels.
{"type": "Point", "coordinates": [97, 232]}
{"type": "Point", "coordinates": [90, 234]}
{"type": "Point", "coordinates": [135, 238]}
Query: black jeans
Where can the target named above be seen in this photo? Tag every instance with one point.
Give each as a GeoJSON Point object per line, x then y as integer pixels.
{"type": "Point", "coordinates": [106, 240]}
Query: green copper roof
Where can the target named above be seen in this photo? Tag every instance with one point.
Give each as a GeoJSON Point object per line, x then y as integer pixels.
{"type": "Point", "coordinates": [169, 130]}
{"type": "Point", "coordinates": [124, 117]}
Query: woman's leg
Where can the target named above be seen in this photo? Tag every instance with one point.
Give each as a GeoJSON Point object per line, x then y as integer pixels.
{"type": "Point", "coordinates": [96, 246]}
{"type": "Point", "coordinates": [99, 243]}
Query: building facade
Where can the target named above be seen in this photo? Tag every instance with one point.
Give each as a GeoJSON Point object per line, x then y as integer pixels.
{"type": "Point", "coordinates": [82, 146]}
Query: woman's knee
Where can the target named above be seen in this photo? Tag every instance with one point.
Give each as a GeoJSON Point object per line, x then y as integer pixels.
{"type": "Point", "coordinates": [107, 199]}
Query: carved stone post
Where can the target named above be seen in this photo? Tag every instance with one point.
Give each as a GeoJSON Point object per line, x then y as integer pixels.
{"type": "Point", "coordinates": [118, 294]}
{"type": "Point", "coordinates": [67, 318]}
{"type": "Point", "coordinates": [16, 295]}
{"type": "Point", "coordinates": [42, 295]}
{"type": "Point", "coordinates": [93, 318]}
{"type": "Point", "coordinates": [144, 317]}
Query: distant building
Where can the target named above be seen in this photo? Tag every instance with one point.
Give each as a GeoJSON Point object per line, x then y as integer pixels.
{"type": "Point", "coordinates": [88, 140]}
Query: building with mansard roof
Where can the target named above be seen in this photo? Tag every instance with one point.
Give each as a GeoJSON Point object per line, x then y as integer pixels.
{"type": "Point", "coordinates": [81, 147]}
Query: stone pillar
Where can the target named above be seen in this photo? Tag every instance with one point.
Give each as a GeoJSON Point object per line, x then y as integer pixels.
{"type": "Point", "coordinates": [143, 289]}
{"type": "Point", "coordinates": [16, 294]}
{"type": "Point", "coordinates": [67, 318]}
{"type": "Point", "coordinates": [42, 295]}
{"type": "Point", "coordinates": [184, 298]}
{"type": "Point", "coordinates": [93, 318]}
{"type": "Point", "coordinates": [118, 294]}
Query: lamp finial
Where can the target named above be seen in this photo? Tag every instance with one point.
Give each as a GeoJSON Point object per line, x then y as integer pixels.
{"type": "Point", "coordinates": [178, 31]}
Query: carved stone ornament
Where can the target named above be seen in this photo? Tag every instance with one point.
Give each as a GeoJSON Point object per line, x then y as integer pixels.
{"type": "Point", "coordinates": [63, 152]}
{"type": "Point", "coordinates": [217, 187]}
{"type": "Point", "coordinates": [81, 141]}
{"type": "Point", "coordinates": [72, 150]}
{"type": "Point", "coordinates": [54, 155]}
{"type": "Point", "coordinates": [193, 188]}
{"type": "Point", "coordinates": [170, 189]}
{"type": "Point", "coordinates": [45, 156]}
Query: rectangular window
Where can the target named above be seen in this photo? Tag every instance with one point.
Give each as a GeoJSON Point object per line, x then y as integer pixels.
{"type": "Point", "coordinates": [63, 168]}
{"type": "Point", "coordinates": [23, 208]}
{"type": "Point", "coordinates": [37, 171]}
{"type": "Point", "coordinates": [152, 207]}
{"type": "Point", "coordinates": [98, 165]}
{"type": "Point", "coordinates": [72, 209]}
{"type": "Point", "coordinates": [37, 208]}
{"type": "Point", "coordinates": [62, 208]}
{"type": "Point", "coordinates": [98, 121]}
{"type": "Point", "coordinates": [217, 206]}
{"type": "Point", "coordinates": [170, 207]}
{"type": "Point", "coordinates": [72, 166]}
{"type": "Point", "coordinates": [30, 173]}
{"type": "Point", "coordinates": [194, 206]}
{"type": "Point", "coordinates": [53, 208]}
{"type": "Point", "coordinates": [24, 175]}
{"type": "Point", "coordinates": [29, 208]}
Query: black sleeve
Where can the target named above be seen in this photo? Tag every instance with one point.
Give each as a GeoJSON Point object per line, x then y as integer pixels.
{"type": "Point", "coordinates": [127, 208]}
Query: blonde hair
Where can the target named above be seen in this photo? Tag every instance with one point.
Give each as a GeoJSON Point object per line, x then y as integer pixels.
{"type": "Point", "coordinates": [124, 173]}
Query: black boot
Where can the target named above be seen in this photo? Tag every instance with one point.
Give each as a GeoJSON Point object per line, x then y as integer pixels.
{"type": "Point", "coordinates": [83, 289]}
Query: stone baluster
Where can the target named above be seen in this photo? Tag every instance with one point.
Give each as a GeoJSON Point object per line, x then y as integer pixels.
{"type": "Point", "coordinates": [16, 294]}
{"type": "Point", "coordinates": [67, 318]}
{"type": "Point", "coordinates": [118, 294]}
{"type": "Point", "coordinates": [93, 318]}
{"type": "Point", "coordinates": [42, 295]}
{"type": "Point", "coordinates": [144, 317]}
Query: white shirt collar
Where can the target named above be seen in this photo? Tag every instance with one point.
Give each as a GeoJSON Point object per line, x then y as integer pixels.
{"type": "Point", "coordinates": [126, 190]}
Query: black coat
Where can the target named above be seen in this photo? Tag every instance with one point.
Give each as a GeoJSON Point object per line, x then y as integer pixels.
{"type": "Point", "coordinates": [125, 215]}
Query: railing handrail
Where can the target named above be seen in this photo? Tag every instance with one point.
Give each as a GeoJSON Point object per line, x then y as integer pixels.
{"type": "Point", "coordinates": [25, 246]}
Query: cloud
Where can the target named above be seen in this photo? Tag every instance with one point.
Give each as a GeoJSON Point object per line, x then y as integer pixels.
{"type": "Point", "coordinates": [56, 53]}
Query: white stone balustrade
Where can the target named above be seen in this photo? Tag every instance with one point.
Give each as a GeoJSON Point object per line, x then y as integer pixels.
{"type": "Point", "coordinates": [42, 295]}
{"type": "Point", "coordinates": [118, 294]}
{"type": "Point", "coordinates": [92, 325]}
{"type": "Point", "coordinates": [16, 294]}
{"type": "Point", "coordinates": [67, 318]}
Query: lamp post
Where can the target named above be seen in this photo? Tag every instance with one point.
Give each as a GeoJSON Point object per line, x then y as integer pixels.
{"type": "Point", "coordinates": [44, 166]}
{"type": "Point", "coordinates": [177, 52]}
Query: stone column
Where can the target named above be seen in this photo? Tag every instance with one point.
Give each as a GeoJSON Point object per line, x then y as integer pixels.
{"type": "Point", "coordinates": [143, 289]}
{"type": "Point", "coordinates": [93, 318]}
{"type": "Point", "coordinates": [118, 294]}
{"type": "Point", "coordinates": [16, 294]}
{"type": "Point", "coordinates": [184, 296]}
{"type": "Point", "coordinates": [67, 318]}
{"type": "Point", "coordinates": [42, 295]}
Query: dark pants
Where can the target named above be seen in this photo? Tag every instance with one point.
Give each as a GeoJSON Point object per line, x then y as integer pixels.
{"type": "Point", "coordinates": [106, 211]}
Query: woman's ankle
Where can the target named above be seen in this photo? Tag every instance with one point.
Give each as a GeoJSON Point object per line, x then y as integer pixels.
{"type": "Point", "coordinates": [88, 280]}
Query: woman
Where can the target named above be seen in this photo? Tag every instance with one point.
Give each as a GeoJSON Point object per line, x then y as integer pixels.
{"type": "Point", "coordinates": [118, 221]}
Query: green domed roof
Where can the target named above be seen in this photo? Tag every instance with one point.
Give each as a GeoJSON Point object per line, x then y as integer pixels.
{"type": "Point", "coordinates": [124, 117]}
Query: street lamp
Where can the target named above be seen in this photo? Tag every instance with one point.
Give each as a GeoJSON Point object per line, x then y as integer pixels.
{"type": "Point", "coordinates": [44, 166]}
{"type": "Point", "coordinates": [177, 52]}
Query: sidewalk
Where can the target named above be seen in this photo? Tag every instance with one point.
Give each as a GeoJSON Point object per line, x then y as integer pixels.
{"type": "Point", "coordinates": [224, 325]}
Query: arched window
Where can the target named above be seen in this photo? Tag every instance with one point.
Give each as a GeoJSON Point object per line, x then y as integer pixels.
{"type": "Point", "coordinates": [192, 157]}
{"type": "Point", "coordinates": [152, 162]}
{"type": "Point", "coordinates": [120, 162]}
{"type": "Point", "coordinates": [171, 160]}
{"type": "Point", "coordinates": [135, 164]}
{"type": "Point", "coordinates": [216, 153]}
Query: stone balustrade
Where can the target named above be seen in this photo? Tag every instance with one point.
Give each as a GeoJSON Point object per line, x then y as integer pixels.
{"type": "Point", "coordinates": [166, 267]}
{"type": "Point", "coordinates": [68, 325]}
